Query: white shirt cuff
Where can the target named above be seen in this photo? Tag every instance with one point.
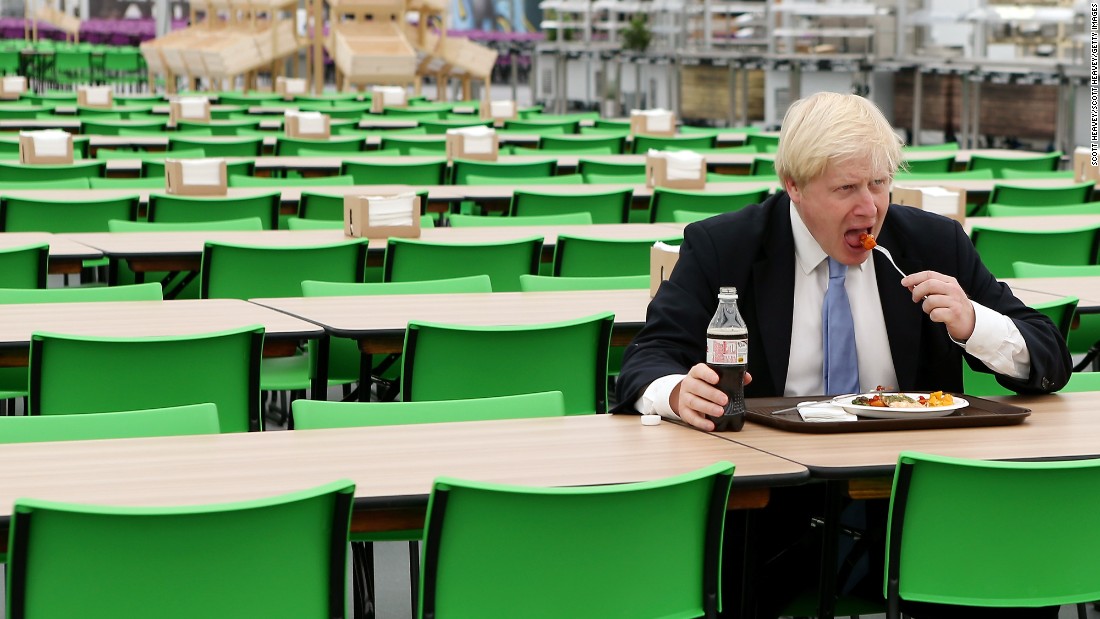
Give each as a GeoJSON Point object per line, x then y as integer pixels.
{"type": "Point", "coordinates": [654, 400]}
{"type": "Point", "coordinates": [997, 342]}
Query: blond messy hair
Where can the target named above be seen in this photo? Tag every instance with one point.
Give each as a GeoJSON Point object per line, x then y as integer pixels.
{"type": "Point", "coordinates": [830, 127]}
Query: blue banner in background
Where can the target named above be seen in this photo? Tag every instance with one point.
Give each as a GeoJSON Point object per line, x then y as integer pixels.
{"type": "Point", "coordinates": [496, 15]}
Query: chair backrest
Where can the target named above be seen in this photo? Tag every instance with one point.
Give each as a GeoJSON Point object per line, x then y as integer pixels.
{"type": "Point", "coordinates": [605, 207]}
{"type": "Point", "coordinates": [317, 414]}
{"type": "Point", "coordinates": [1036, 269]}
{"type": "Point", "coordinates": [415, 260]}
{"type": "Point", "coordinates": [498, 360]}
{"type": "Point", "coordinates": [1005, 210]}
{"type": "Point", "coordinates": [1038, 163]}
{"type": "Point", "coordinates": [241, 147]}
{"type": "Point", "coordinates": [243, 225]}
{"type": "Point", "coordinates": [151, 291]}
{"type": "Point", "coordinates": [75, 374]}
{"type": "Point", "coordinates": [25, 266]}
{"type": "Point", "coordinates": [462, 168]}
{"type": "Point", "coordinates": [432, 172]}
{"type": "Point", "coordinates": [429, 145]}
{"type": "Point", "coordinates": [956, 532]}
{"type": "Point", "coordinates": [575, 552]}
{"type": "Point", "coordinates": [1073, 193]}
{"type": "Point", "coordinates": [546, 283]}
{"type": "Point", "coordinates": [589, 167]}
{"type": "Point", "coordinates": [170, 421]}
{"type": "Point", "coordinates": [24, 173]}
{"type": "Point", "coordinates": [1060, 311]}
{"type": "Point", "coordinates": [24, 214]}
{"type": "Point", "coordinates": [458, 220]}
{"type": "Point", "coordinates": [165, 208]}
{"type": "Point", "coordinates": [286, 147]}
{"type": "Point", "coordinates": [241, 180]}
{"type": "Point", "coordinates": [666, 201]}
{"type": "Point", "coordinates": [473, 283]}
{"type": "Point", "coordinates": [155, 168]}
{"type": "Point", "coordinates": [642, 143]}
{"type": "Point", "coordinates": [614, 144]}
{"type": "Point", "coordinates": [687, 217]}
{"type": "Point", "coordinates": [522, 181]}
{"type": "Point", "coordinates": [931, 165]}
{"type": "Point", "coordinates": [118, 561]}
{"type": "Point", "coordinates": [120, 183]}
{"type": "Point", "coordinates": [762, 143]}
{"type": "Point", "coordinates": [246, 272]}
{"type": "Point", "coordinates": [591, 256]}
{"type": "Point", "coordinates": [999, 248]}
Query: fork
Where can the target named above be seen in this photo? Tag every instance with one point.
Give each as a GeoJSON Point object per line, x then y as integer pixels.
{"type": "Point", "coordinates": [886, 252]}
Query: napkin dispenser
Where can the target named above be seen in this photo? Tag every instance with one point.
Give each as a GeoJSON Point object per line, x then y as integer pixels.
{"type": "Point", "coordinates": [195, 177]}
{"type": "Point", "coordinates": [12, 86]}
{"type": "Point", "coordinates": [290, 87]}
{"type": "Point", "coordinates": [191, 109]}
{"type": "Point", "coordinates": [380, 217]}
{"type": "Point", "coordinates": [499, 111]}
{"type": "Point", "coordinates": [662, 259]}
{"type": "Point", "coordinates": [50, 146]}
{"type": "Point", "coordinates": [947, 201]}
{"type": "Point", "coordinates": [311, 125]}
{"type": "Point", "coordinates": [652, 122]}
{"type": "Point", "coordinates": [675, 170]}
{"type": "Point", "coordinates": [95, 96]}
{"type": "Point", "coordinates": [1085, 167]}
{"type": "Point", "coordinates": [387, 96]}
{"type": "Point", "coordinates": [477, 143]}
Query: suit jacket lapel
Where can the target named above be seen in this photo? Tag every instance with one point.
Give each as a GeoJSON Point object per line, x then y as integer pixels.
{"type": "Point", "coordinates": [904, 318]}
{"type": "Point", "coordinates": [773, 275]}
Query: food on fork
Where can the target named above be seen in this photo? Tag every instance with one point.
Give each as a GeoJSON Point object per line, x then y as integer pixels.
{"type": "Point", "coordinates": [868, 241]}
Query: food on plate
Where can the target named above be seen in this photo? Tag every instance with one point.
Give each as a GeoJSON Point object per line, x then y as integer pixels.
{"type": "Point", "coordinates": [901, 400]}
{"type": "Point", "coordinates": [868, 241]}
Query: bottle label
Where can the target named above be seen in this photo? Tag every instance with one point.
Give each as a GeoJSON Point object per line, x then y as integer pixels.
{"type": "Point", "coordinates": [727, 352]}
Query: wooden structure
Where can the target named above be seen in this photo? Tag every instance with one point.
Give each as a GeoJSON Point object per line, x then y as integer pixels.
{"type": "Point", "coordinates": [64, 22]}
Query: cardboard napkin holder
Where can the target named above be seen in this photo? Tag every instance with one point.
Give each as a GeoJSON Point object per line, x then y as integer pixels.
{"type": "Point", "coordinates": [378, 102]}
{"type": "Point", "coordinates": [290, 87]}
{"type": "Point", "coordinates": [291, 126]}
{"type": "Point", "coordinates": [639, 123]}
{"type": "Point", "coordinates": [1083, 170]}
{"type": "Point", "coordinates": [174, 182]}
{"type": "Point", "coordinates": [661, 263]}
{"type": "Point", "coordinates": [357, 220]}
{"type": "Point", "coordinates": [28, 155]}
{"type": "Point", "coordinates": [486, 109]}
{"type": "Point", "coordinates": [11, 88]}
{"type": "Point", "coordinates": [913, 196]}
{"type": "Point", "coordinates": [175, 114]}
{"type": "Point", "coordinates": [456, 149]}
{"type": "Point", "coordinates": [83, 96]}
{"type": "Point", "coordinates": [656, 175]}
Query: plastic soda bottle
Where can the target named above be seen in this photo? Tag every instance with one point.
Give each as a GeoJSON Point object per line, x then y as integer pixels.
{"type": "Point", "coordinates": [728, 355]}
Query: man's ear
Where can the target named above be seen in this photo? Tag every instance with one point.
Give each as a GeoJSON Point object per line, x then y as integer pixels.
{"type": "Point", "coordinates": [792, 190]}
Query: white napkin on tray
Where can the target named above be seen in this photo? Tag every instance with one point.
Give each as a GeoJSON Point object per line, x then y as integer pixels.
{"type": "Point", "coordinates": [823, 411]}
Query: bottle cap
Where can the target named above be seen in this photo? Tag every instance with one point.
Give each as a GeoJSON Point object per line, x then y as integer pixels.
{"type": "Point", "coordinates": [651, 420]}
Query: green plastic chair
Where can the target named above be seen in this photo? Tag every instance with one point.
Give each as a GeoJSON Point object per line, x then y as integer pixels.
{"type": "Point", "coordinates": [238, 180]}
{"type": "Point", "coordinates": [592, 256]}
{"type": "Point", "coordinates": [498, 360]}
{"type": "Point", "coordinates": [1010, 174]}
{"type": "Point", "coordinates": [615, 179]}
{"type": "Point", "coordinates": [123, 65]}
{"type": "Point", "coordinates": [239, 127]}
{"type": "Point", "coordinates": [688, 217]}
{"type": "Point", "coordinates": [1086, 330]}
{"type": "Point", "coordinates": [441, 126]}
{"type": "Point", "coordinates": [72, 66]}
{"type": "Point", "coordinates": [76, 374]}
{"type": "Point", "coordinates": [762, 166]}
{"type": "Point", "coordinates": [954, 532]}
{"type": "Point", "coordinates": [424, 145]}
{"type": "Point", "coordinates": [930, 147]}
{"type": "Point", "coordinates": [462, 168]}
{"type": "Point", "coordinates": [109, 154]}
{"type": "Point", "coordinates": [543, 126]}
{"type": "Point", "coordinates": [643, 143]}
{"type": "Point", "coordinates": [96, 126]}
{"type": "Point", "coordinates": [416, 260]}
{"type": "Point", "coordinates": [241, 147]}
{"type": "Point", "coordinates": [121, 183]}
{"type": "Point", "coordinates": [43, 173]}
{"type": "Point", "coordinates": [931, 165]}
{"type": "Point", "coordinates": [154, 168]}
{"type": "Point", "coordinates": [575, 552]}
{"type": "Point", "coordinates": [589, 167]}
{"type": "Point", "coordinates": [1016, 195]}
{"type": "Point", "coordinates": [999, 248]}
{"type": "Point", "coordinates": [318, 414]}
{"type": "Point", "coordinates": [1040, 163]}
{"type": "Point", "coordinates": [762, 143]}
{"type": "Point", "coordinates": [395, 172]}
{"type": "Point", "coordinates": [664, 202]}
{"type": "Point", "coordinates": [119, 561]}
{"type": "Point", "coordinates": [458, 220]}
{"type": "Point", "coordinates": [170, 421]}
{"type": "Point", "coordinates": [166, 208]}
{"type": "Point", "coordinates": [604, 207]}
{"type": "Point", "coordinates": [1004, 210]}
{"type": "Point", "coordinates": [612, 144]}
{"type": "Point", "coordinates": [24, 266]}
{"type": "Point", "coordinates": [30, 215]}
{"type": "Point", "coordinates": [288, 147]}
{"type": "Point", "coordinates": [525, 181]}
{"type": "Point", "coordinates": [546, 283]}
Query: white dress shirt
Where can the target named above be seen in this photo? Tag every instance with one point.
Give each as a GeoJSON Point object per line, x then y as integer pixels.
{"type": "Point", "coordinates": [996, 341]}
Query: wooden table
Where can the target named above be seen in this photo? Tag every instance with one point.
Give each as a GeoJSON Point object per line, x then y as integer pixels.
{"type": "Point", "coordinates": [66, 255]}
{"type": "Point", "coordinates": [1087, 289]}
{"type": "Point", "coordinates": [393, 467]}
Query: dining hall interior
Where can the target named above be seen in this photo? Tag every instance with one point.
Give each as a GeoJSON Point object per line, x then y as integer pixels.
{"type": "Point", "coordinates": [325, 308]}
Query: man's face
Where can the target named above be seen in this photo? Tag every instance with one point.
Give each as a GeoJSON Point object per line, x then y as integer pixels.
{"type": "Point", "coordinates": [844, 201]}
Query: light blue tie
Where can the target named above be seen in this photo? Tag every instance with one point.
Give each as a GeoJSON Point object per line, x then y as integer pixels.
{"type": "Point", "coordinates": [838, 333]}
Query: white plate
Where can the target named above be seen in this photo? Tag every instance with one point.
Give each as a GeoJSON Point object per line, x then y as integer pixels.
{"type": "Point", "coordinates": [879, 412]}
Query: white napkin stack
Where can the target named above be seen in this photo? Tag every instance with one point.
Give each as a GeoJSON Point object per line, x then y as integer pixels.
{"type": "Point", "coordinates": [391, 95]}
{"type": "Point", "coordinates": [49, 142]}
{"type": "Point", "coordinates": [939, 200]}
{"type": "Point", "coordinates": [14, 83]}
{"type": "Point", "coordinates": [201, 171]}
{"type": "Point", "coordinates": [294, 86]}
{"type": "Point", "coordinates": [396, 210]}
{"type": "Point", "coordinates": [823, 411]}
{"type": "Point", "coordinates": [309, 123]}
{"type": "Point", "coordinates": [97, 95]}
{"type": "Point", "coordinates": [680, 164]}
{"type": "Point", "coordinates": [663, 246]}
{"type": "Point", "coordinates": [476, 140]}
{"type": "Point", "coordinates": [657, 120]}
{"type": "Point", "coordinates": [193, 107]}
{"type": "Point", "coordinates": [502, 109]}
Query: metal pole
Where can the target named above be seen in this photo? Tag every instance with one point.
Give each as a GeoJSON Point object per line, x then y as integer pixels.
{"type": "Point", "coordinates": [918, 94]}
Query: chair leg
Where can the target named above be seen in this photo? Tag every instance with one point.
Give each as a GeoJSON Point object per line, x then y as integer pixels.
{"type": "Point", "coordinates": [1082, 611]}
{"type": "Point", "coordinates": [362, 554]}
{"type": "Point", "coordinates": [414, 574]}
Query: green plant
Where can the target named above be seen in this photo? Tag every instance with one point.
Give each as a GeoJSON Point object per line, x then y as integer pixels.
{"type": "Point", "coordinates": [637, 35]}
